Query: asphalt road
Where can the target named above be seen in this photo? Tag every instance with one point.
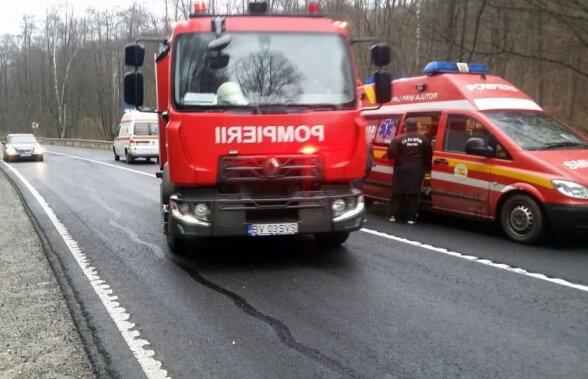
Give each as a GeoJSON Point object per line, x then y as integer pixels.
{"type": "Point", "coordinates": [378, 307]}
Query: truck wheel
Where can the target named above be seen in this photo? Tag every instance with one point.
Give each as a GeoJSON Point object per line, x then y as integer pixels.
{"type": "Point", "coordinates": [177, 246]}
{"type": "Point", "coordinates": [116, 157]}
{"type": "Point", "coordinates": [521, 219]}
{"type": "Point", "coordinates": [333, 239]}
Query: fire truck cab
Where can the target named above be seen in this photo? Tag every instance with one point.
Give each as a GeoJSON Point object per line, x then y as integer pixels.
{"type": "Point", "coordinates": [261, 131]}
{"type": "Point", "coordinates": [496, 154]}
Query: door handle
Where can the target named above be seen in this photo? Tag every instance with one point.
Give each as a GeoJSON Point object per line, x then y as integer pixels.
{"type": "Point", "coordinates": [441, 161]}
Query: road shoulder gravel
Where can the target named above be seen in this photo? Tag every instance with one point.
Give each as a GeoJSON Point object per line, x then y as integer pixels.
{"type": "Point", "coordinates": [38, 337]}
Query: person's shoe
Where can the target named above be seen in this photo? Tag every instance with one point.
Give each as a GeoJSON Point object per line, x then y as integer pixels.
{"type": "Point", "coordinates": [392, 219]}
{"type": "Point", "coordinates": [411, 222]}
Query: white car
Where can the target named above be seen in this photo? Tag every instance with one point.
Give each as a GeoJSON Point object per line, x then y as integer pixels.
{"type": "Point", "coordinates": [138, 137]}
{"type": "Point", "coordinates": [22, 147]}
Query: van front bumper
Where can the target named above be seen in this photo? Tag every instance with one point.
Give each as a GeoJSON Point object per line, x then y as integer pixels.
{"type": "Point", "coordinates": [565, 217]}
{"type": "Point", "coordinates": [231, 215]}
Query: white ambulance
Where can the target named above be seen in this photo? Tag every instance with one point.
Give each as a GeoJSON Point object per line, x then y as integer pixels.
{"type": "Point", "coordinates": [138, 137]}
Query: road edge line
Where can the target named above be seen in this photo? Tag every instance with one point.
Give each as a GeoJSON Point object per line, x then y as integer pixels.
{"type": "Point", "coordinates": [472, 258]}
{"type": "Point", "coordinates": [102, 163]}
{"type": "Point", "coordinates": [150, 366]}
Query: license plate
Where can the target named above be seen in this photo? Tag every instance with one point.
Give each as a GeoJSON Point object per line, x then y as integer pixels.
{"type": "Point", "coordinates": [25, 155]}
{"type": "Point", "coordinates": [272, 229]}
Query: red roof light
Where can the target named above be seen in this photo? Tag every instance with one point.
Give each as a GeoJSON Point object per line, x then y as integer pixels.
{"type": "Point", "coordinates": [313, 7]}
{"type": "Point", "coordinates": [199, 7]}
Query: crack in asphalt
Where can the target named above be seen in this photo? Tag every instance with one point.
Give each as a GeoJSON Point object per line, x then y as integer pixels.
{"type": "Point", "coordinates": [282, 331]}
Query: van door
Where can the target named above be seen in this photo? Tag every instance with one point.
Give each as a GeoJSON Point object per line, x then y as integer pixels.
{"type": "Point", "coordinates": [380, 131]}
{"type": "Point", "coordinates": [460, 182]}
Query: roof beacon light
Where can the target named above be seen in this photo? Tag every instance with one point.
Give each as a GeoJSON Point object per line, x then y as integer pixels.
{"type": "Point", "coordinates": [438, 67]}
{"type": "Point", "coordinates": [199, 7]}
{"type": "Point", "coordinates": [313, 7]}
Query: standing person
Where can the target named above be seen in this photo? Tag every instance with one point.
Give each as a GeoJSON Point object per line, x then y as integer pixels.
{"type": "Point", "coordinates": [413, 155]}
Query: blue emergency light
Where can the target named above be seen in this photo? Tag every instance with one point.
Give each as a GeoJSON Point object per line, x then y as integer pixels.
{"type": "Point", "coordinates": [437, 67]}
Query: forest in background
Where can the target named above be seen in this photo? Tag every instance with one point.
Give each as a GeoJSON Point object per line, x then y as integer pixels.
{"type": "Point", "coordinates": [65, 71]}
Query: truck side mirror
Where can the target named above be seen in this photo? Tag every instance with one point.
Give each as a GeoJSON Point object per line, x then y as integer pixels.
{"type": "Point", "coordinates": [380, 54]}
{"type": "Point", "coordinates": [220, 43]}
{"type": "Point", "coordinates": [134, 54]}
{"type": "Point", "coordinates": [382, 86]}
{"type": "Point", "coordinates": [133, 88]}
{"type": "Point", "coordinates": [477, 146]}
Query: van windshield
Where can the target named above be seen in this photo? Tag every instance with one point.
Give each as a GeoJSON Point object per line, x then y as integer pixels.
{"type": "Point", "coordinates": [537, 131]}
{"type": "Point", "coordinates": [269, 72]}
{"type": "Point", "coordinates": [146, 129]}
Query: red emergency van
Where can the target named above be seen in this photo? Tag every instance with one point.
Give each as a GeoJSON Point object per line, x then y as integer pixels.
{"type": "Point", "coordinates": [496, 154]}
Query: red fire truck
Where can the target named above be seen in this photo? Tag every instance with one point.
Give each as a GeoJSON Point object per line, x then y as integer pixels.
{"type": "Point", "coordinates": [496, 154]}
{"type": "Point", "coordinates": [260, 125]}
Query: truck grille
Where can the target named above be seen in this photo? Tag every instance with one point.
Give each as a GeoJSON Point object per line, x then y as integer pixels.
{"type": "Point", "coordinates": [235, 169]}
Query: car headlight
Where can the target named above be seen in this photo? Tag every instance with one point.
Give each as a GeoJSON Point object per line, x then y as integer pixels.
{"type": "Point", "coordinates": [38, 149]}
{"type": "Point", "coordinates": [571, 189]}
{"type": "Point", "coordinates": [10, 150]}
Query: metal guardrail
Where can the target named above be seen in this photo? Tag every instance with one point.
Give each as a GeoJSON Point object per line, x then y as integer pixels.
{"type": "Point", "coordinates": [85, 143]}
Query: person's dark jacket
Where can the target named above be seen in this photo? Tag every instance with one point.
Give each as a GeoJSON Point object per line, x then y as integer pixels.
{"type": "Point", "coordinates": [412, 156]}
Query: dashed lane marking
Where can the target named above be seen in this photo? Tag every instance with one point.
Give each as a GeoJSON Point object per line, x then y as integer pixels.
{"type": "Point", "coordinates": [483, 261]}
{"type": "Point", "coordinates": [151, 366]}
{"type": "Point", "coordinates": [102, 163]}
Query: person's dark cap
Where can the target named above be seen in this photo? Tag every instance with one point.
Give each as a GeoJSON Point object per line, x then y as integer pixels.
{"type": "Point", "coordinates": [411, 126]}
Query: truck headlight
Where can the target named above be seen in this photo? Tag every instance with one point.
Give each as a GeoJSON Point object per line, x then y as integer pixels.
{"type": "Point", "coordinates": [571, 189]}
{"type": "Point", "coordinates": [339, 207]}
{"type": "Point", "coordinates": [201, 211]}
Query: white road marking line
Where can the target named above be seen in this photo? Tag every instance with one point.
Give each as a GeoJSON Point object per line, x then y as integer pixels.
{"type": "Point", "coordinates": [483, 261]}
{"type": "Point", "coordinates": [151, 366]}
{"type": "Point", "coordinates": [102, 163]}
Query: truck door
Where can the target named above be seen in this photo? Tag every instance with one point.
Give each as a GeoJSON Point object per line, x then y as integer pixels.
{"type": "Point", "coordinates": [460, 182]}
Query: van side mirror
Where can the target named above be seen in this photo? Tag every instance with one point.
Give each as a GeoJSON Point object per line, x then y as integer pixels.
{"type": "Point", "coordinates": [382, 86]}
{"type": "Point", "coordinates": [133, 88]}
{"type": "Point", "coordinates": [477, 146]}
{"type": "Point", "coordinates": [380, 54]}
{"type": "Point", "coordinates": [134, 54]}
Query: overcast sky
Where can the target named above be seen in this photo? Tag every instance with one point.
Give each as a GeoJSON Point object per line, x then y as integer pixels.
{"type": "Point", "coordinates": [13, 10]}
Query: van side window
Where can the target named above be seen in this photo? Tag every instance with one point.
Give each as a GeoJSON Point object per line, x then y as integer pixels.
{"type": "Point", "coordinates": [459, 130]}
{"type": "Point", "coordinates": [427, 125]}
{"type": "Point", "coordinates": [385, 129]}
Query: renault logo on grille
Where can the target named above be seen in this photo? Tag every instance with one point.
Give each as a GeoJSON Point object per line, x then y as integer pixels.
{"type": "Point", "coordinates": [271, 167]}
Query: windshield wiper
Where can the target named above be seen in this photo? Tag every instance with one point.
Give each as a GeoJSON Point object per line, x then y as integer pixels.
{"type": "Point", "coordinates": [297, 108]}
{"type": "Point", "coordinates": [560, 145]}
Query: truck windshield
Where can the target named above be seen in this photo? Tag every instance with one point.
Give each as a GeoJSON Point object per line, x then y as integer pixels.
{"type": "Point", "coordinates": [146, 129]}
{"type": "Point", "coordinates": [263, 69]}
{"type": "Point", "coordinates": [537, 131]}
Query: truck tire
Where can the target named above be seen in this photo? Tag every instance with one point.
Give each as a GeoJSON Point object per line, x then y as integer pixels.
{"type": "Point", "coordinates": [116, 157]}
{"type": "Point", "coordinates": [521, 219]}
{"type": "Point", "coordinates": [177, 246]}
{"type": "Point", "coordinates": [333, 239]}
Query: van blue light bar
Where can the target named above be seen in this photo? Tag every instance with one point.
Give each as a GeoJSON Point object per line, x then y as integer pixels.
{"type": "Point", "coordinates": [437, 67]}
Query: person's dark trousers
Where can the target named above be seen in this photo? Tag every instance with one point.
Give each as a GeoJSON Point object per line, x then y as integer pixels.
{"type": "Point", "coordinates": [410, 203]}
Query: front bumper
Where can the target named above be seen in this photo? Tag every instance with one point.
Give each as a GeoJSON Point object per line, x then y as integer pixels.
{"type": "Point", "coordinates": [231, 214]}
{"type": "Point", "coordinates": [564, 217]}
{"type": "Point", "coordinates": [24, 157]}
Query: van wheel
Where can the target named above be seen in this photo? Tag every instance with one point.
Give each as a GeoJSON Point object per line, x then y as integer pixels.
{"type": "Point", "coordinates": [128, 157]}
{"type": "Point", "coordinates": [521, 219]}
{"type": "Point", "coordinates": [333, 239]}
{"type": "Point", "coordinates": [116, 156]}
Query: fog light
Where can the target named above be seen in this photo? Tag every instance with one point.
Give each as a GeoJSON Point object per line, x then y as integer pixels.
{"type": "Point", "coordinates": [339, 206]}
{"type": "Point", "coordinates": [184, 208]}
{"type": "Point", "coordinates": [201, 211]}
